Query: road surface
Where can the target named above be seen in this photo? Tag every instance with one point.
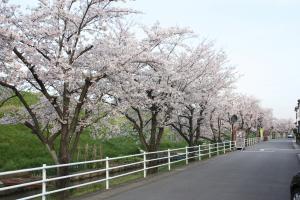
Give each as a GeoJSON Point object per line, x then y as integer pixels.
{"type": "Point", "coordinates": [261, 172]}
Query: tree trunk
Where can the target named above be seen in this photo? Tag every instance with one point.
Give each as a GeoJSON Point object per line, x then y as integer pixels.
{"type": "Point", "coordinates": [233, 132]}
{"type": "Point", "coordinates": [154, 143]}
{"type": "Point", "coordinates": [152, 163]}
{"type": "Point", "coordinates": [191, 151]}
{"type": "Point", "coordinates": [63, 183]}
{"type": "Point", "coordinates": [64, 158]}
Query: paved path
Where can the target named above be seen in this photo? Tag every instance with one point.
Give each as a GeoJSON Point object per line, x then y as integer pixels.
{"type": "Point", "coordinates": [262, 172]}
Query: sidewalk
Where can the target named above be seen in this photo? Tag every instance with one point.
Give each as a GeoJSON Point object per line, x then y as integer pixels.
{"type": "Point", "coordinates": [296, 146]}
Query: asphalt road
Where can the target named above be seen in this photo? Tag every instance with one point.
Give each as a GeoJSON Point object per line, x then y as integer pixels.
{"type": "Point", "coordinates": [262, 172]}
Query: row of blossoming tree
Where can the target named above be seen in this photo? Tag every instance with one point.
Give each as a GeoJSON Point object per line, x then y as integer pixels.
{"type": "Point", "coordinates": [86, 62]}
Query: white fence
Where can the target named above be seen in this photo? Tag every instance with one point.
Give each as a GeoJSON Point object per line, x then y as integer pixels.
{"type": "Point", "coordinates": [163, 158]}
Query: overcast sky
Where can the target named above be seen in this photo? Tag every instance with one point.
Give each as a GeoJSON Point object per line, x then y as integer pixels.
{"type": "Point", "coordinates": [261, 38]}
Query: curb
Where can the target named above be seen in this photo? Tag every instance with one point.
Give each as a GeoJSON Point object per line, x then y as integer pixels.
{"type": "Point", "coordinates": [295, 145]}
{"type": "Point", "coordinates": [298, 156]}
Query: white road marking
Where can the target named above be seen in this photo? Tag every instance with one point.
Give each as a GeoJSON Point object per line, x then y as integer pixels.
{"type": "Point", "coordinates": [270, 150]}
{"type": "Point", "coordinates": [258, 151]}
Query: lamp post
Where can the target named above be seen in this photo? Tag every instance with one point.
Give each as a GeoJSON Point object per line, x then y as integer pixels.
{"type": "Point", "coordinates": [298, 117]}
{"type": "Point", "coordinates": [297, 109]}
{"type": "Point", "coordinates": [296, 123]}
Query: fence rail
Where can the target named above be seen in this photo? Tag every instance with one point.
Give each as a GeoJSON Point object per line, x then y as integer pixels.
{"type": "Point", "coordinates": [163, 158]}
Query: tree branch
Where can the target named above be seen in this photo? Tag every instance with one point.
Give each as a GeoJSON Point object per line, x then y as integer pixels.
{"type": "Point", "coordinates": [36, 127]}
{"type": "Point", "coordinates": [6, 100]}
{"type": "Point", "coordinates": [50, 98]}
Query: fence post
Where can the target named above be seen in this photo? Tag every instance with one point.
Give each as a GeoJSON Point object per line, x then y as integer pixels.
{"type": "Point", "coordinates": [209, 152]}
{"type": "Point", "coordinates": [107, 172]}
{"type": "Point", "coordinates": [169, 159]}
{"type": "Point", "coordinates": [224, 145]}
{"type": "Point", "coordinates": [230, 145]}
{"type": "Point", "coordinates": [145, 165]}
{"type": "Point", "coordinates": [217, 148]}
{"type": "Point", "coordinates": [44, 186]}
{"type": "Point", "coordinates": [234, 145]}
{"type": "Point", "coordinates": [199, 152]}
{"type": "Point", "coordinates": [186, 155]}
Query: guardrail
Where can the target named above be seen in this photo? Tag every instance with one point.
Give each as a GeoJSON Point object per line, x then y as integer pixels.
{"type": "Point", "coordinates": [144, 163]}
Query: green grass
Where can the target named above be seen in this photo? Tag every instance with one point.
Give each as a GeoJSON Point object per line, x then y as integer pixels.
{"type": "Point", "coordinates": [171, 145]}
{"type": "Point", "coordinates": [112, 183]}
{"type": "Point", "coordinates": [19, 148]}
{"type": "Point", "coordinates": [14, 103]}
{"type": "Point", "coordinates": [30, 98]}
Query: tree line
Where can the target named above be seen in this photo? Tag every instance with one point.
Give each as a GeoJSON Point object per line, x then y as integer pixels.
{"type": "Point", "coordinates": [88, 63]}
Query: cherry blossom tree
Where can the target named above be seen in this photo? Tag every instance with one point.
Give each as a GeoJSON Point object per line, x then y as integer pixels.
{"type": "Point", "coordinates": [208, 77]}
{"type": "Point", "coordinates": [282, 127]}
{"type": "Point", "coordinates": [248, 111]}
{"type": "Point", "coordinates": [220, 115]}
{"type": "Point", "coordinates": [251, 116]}
{"type": "Point", "coordinates": [61, 50]}
{"type": "Point", "coordinates": [146, 93]}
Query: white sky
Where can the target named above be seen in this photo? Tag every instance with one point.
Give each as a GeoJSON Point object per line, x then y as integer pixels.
{"type": "Point", "coordinates": [261, 38]}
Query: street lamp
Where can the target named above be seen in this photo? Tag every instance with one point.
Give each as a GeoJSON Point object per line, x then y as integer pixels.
{"type": "Point", "coordinates": [297, 123]}
{"type": "Point", "coordinates": [296, 110]}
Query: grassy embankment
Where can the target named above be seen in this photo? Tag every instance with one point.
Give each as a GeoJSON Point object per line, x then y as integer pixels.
{"type": "Point", "coordinates": [19, 148]}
